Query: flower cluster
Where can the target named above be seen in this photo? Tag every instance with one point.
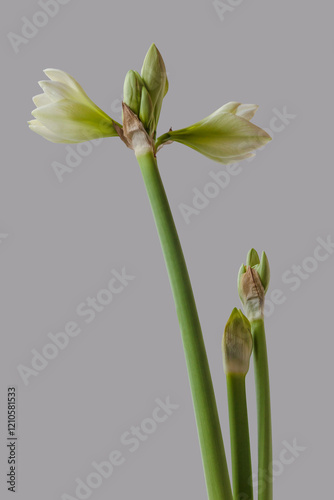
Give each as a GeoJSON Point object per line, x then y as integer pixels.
{"type": "Point", "coordinates": [64, 113]}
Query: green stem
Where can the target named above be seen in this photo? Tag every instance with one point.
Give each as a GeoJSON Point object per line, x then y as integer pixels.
{"type": "Point", "coordinates": [239, 432]}
{"type": "Point", "coordinates": [209, 431]}
{"type": "Point", "coordinates": [263, 410]}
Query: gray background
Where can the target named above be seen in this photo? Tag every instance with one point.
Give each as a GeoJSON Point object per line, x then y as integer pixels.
{"type": "Point", "coordinates": [63, 240]}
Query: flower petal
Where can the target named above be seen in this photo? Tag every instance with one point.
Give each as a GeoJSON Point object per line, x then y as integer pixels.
{"type": "Point", "coordinates": [57, 75]}
{"type": "Point", "coordinates": [41, 100]}
{"type": "Point", "coordinates": [57, 91]}
{"type": "Point", "coordinates": [39, 128]}
{"type": "Point", "coordinates": [75, 121]}
{"type": "Point", "coordinates": [246, 111]}
{"type": "Point", "coordinates": [226, 160]}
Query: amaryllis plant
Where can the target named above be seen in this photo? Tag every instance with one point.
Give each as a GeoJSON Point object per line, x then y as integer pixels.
{"type": "Point", "coordinates": [65, 114]}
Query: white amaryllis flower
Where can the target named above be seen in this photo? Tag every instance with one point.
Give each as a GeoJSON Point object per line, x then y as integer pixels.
{"type": "Point", "coordinates": [64, 112]}
{"type": "Point", "coordinates": [225, 136]}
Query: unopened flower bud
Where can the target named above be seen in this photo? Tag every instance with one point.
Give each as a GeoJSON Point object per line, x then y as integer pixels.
{"type": "Point", "coordinates": [154, 75]}
{"type": "Point", "coordinates": [252, 258]}
{"type": "Point", "coordinates": [146, 111]}
{"type": "Point", "coordinates": [133, 84]}
{"type": "Point", "coordinates": [237, 344]}
{"type": "Point", "coordinates": [263, 270]}
{"type": "Point", "coordinates": [253, 283]}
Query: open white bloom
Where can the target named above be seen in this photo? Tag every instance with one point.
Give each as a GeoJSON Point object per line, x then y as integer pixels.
{"type": "Point", "coordinates": [64, 112]}
{"type": "Point", "coordinates": [225, 136]}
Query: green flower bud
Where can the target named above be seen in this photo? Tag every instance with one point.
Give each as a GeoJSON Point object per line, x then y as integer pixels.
{"type": "Point", "coordinates": [252, 258]}
{"type": "Point", "coordinates": [261, 266]}
{"type": "Point", "coordinates": [253, 283]}
{"type": "Point", "coordinates": [154, 76]}
{"type": "Point", "coordinates": [263, 270]}
{"type": "Point", "coordinates": [237, 344]}
{"type": "Point", "coordinates": [132, 88]}
{"type": "Point", "coordinates": [146, 111]}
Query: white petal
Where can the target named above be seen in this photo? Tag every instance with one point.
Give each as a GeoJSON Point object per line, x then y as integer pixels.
{"type": "Point", "coordinates": [57, 91]}
{"type": "Point", "coordinates": [230, 107]}
{"type": "Point", "coordinates": [247, 111]}
{"type": "Point", "coordinates": [58, 75]}
{"type": "Point", "coordinates": [75, 121]}
{"type": "Point", "coordinates": [39, 128]}
{"type": "Point", "coordinates": [41, 100]}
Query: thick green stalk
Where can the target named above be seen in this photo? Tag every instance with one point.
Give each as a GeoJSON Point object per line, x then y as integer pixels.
{"type": "Point", "coordinates": [209, 431]}
{"type": "Point", "coordinates": [239, 432]}
{"type": "Point", "coordinates": [263, 410]}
